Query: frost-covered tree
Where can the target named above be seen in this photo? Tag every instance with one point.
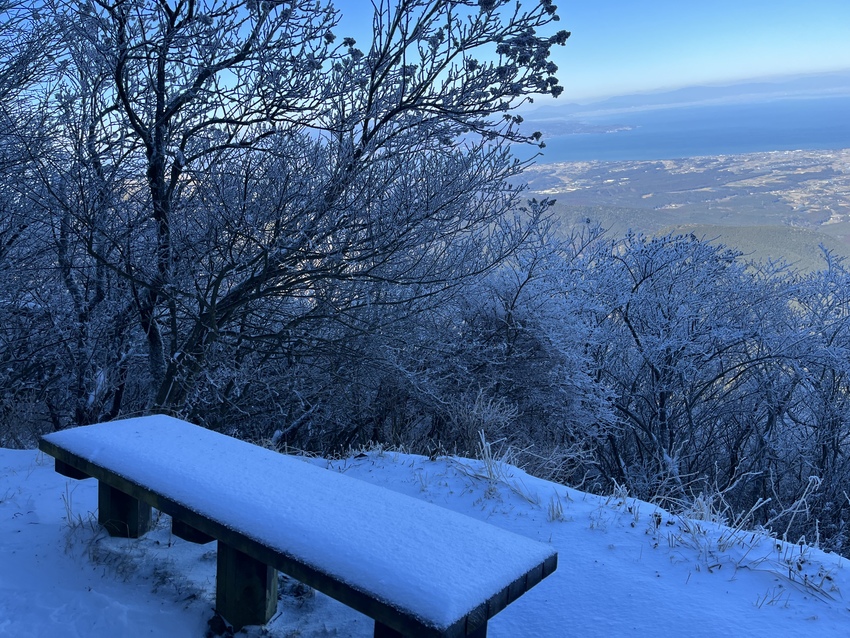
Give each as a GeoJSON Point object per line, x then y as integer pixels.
{"type": "Point", "coordinates": [26, 340]}
{"type": "Point", "coordinates": [25, 58]}
{"type": "Point", "coordinates": [812, 445]}
{"type": "Point", "coordinates": [687, 326]}
{"type": "Point", "coordinates": [241, 172]}
{"type": "Point", "coordinates": [506, 359]}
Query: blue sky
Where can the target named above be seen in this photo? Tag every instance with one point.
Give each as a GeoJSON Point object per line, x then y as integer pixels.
{"type": "Point", "coordinates": [627, 46]}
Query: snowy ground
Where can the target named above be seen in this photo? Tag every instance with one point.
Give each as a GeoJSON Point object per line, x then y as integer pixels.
{"type": "Point", "coordinates": [625, 567]}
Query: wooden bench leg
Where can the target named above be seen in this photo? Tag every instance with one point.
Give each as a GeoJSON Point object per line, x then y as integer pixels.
{"type": "Point", "coordinates": [245, 588]}
{"type": "Point", "coordinates": [189, 533]}
{"type": "Point", "coordinates": [382, 631]}
{"type": "Point", "coordinates": [121, 514]}
{"type": "Point", "coordinates": [69, 470]}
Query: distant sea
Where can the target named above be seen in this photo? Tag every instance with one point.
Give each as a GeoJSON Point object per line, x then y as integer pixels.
{"type": "Point", "coordinates": [721, 129]}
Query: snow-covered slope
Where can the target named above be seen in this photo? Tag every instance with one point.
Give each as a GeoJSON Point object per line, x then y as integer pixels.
{"type": "Point", "coordinates": [625, 567]}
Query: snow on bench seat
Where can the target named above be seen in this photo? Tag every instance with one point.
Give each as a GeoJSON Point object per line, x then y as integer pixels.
{"type": "Point", "coordinates": [415, 567]}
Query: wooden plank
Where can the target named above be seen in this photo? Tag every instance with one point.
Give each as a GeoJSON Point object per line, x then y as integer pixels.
{"type": "Point", "coordinates": [245, 588]}
{"type": "Point", "coordinates": [516, 589]}
{"type": "Point", "coordinates": [476, 621]}
{"type": "Point", "coordinates": [533, 576]}
{"type": "Point", "coordinates": [497, 603]}
{"type": "Point", "coordinates": [550, 565]}
{"type": "Point", "coordinates": [386, 615]}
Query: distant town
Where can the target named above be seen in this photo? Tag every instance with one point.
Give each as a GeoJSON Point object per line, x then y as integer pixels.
{"type": "Point", "coordinates": [796, 190]}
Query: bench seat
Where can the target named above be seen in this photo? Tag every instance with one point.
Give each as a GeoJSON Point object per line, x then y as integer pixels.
{"type": "Point", "coordinates": [416, 568]}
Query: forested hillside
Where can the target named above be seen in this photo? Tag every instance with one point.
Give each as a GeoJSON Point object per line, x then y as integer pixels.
{"type": "Point", "coordinates": [223, 211]}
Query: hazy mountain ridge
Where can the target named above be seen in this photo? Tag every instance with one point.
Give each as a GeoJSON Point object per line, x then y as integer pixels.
{"type": "Point", "coordinates": [805, 86]}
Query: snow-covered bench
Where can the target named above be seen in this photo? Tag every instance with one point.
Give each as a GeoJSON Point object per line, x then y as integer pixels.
{"type": "Point", "coordinates": [415, 568]}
